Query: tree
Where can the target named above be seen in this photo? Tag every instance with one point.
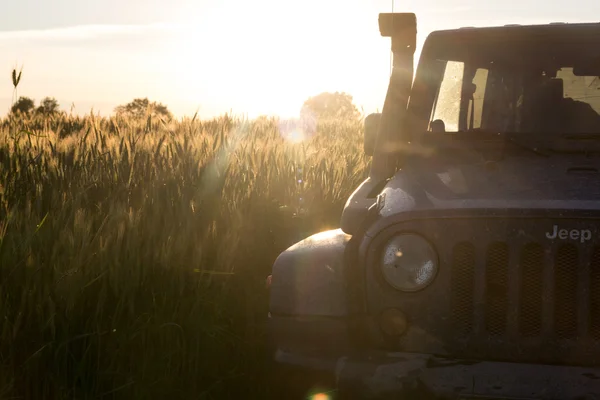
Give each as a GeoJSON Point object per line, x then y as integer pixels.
{"type": "Point", "coordinates": [331, 105]}
{"type": "Point", "coordinates": [140, 108]}
{"type": "Point", "coordinates": [48, 106]}
{"type": "Point", "coordinates": [24, 105]}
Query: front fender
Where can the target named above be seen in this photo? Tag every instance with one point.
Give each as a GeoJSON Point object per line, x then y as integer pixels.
{"type": "Point", "coordinates": [308, 279]}
{"type": "Point", "coordinates": [308, 299]}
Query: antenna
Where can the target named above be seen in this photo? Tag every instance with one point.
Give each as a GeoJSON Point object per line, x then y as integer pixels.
{"type": "Point", "coordinates": [391, 62]}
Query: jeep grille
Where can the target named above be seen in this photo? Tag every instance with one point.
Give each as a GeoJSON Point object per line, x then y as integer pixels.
{"type": "Point", "coordinates": [550, 292]}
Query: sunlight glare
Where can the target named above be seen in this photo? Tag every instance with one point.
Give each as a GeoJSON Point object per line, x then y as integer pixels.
{"type": "Point", "coordinates": [297, 130]}
{"type": "Point", "coordinates": [272, 62]}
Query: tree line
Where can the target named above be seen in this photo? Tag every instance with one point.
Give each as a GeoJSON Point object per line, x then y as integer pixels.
{"type": "Point", "coordinates": [323, 105]}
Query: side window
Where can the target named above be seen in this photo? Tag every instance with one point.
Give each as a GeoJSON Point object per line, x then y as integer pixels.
{"type": "Point", "coordinates": [447, 105]}
{"type": "Point", "coordinates": [580, 88]}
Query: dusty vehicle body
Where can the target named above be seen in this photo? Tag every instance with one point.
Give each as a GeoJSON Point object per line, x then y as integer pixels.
{"type": "Point", "coordinates": [468, 264]}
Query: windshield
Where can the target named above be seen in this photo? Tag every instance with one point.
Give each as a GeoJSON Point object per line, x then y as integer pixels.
{"type": "Point", "coordinates": [551, 90]}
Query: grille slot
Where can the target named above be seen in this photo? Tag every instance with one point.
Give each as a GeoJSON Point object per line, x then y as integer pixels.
{"type": "Point", "coordinates": [565, 292]}
{"type": "Point", "coordinates": [595, 294]}
{"type": "Point", "coordinates": [496, 293]}
{"type": "Point", "coordinates": [463, 283]}
{"type": "Point", "coordinates": [531, 290]}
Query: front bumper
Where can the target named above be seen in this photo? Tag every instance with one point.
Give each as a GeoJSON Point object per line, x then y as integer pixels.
{"type": "Point", "coordinates": [421, 376]}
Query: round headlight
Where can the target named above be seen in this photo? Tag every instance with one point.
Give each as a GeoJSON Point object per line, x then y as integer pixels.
{"type": "Point", "coordinates": [409, 262]}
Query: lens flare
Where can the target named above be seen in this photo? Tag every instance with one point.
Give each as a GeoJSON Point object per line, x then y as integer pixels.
{"type": "Point", "coordinates": [295, 136]}
{"type": "Point", "coordinates": [297, 130]}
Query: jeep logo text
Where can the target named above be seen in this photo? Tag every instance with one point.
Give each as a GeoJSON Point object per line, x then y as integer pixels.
{"type": "Point", "coordinates": [583, 235]}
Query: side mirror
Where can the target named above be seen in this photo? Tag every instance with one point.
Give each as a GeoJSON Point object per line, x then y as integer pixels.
{"type": "Point", "coordinates": [371, 130]}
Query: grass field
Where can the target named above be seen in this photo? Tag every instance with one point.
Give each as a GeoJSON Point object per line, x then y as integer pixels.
{"type": "Point", "coordinates": [133, 254]}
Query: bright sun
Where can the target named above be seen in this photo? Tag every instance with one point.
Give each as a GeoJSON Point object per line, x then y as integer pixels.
{"type": "Point", "coordinates": [262, 57]}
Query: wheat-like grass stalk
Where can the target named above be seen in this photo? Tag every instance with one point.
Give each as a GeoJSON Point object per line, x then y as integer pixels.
{"type": "Point", "coordinates": [133, 252]}
{"type": "Point", "coordinates": [16, 78]}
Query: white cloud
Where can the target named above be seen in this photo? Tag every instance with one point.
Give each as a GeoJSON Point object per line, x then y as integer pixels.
{"type": "Point", "coordinates": [87, 32]}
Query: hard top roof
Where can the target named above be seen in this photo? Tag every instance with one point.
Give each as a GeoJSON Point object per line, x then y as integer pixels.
{"type": "Point", "coordinates": [551, 32]}
{"type": "Point", "coordinates": [521, 28]}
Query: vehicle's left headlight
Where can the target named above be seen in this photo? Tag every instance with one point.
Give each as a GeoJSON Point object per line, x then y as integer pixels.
{"type": "Point", "coordinates": [409, 262]}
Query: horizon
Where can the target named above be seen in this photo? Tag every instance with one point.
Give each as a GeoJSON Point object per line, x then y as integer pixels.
{"type": "Point", "coordinates": [263, 58]}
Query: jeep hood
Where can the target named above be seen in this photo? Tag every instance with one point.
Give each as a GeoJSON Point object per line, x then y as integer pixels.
{"type": "Point", "coordinates": [532, 182]}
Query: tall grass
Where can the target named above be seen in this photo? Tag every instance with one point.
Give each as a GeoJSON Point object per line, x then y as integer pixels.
{"type": "Point", "coordinates": [133, 253]}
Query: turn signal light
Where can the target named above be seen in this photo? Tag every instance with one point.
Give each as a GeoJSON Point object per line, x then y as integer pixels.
{"type": "Point", "coordinates": [393, 322]}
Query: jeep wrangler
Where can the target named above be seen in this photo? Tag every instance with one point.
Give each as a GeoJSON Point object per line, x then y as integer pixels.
{"type": "Point", "coordinates": [467, 264]}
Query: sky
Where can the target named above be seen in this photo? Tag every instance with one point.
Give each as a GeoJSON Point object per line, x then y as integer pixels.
{"type": "Point", "coordinates": [214, 56]}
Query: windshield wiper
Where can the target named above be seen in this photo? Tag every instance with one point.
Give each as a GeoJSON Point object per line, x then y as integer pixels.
{"type": "Point", "coordinates": [525, 144]}
{"type": "Point", "coordinates": [543, 144]}
{"type": "Point", "coordinates": [582, 136]}
{"type": "Point", "coordinates": [513, 138]}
